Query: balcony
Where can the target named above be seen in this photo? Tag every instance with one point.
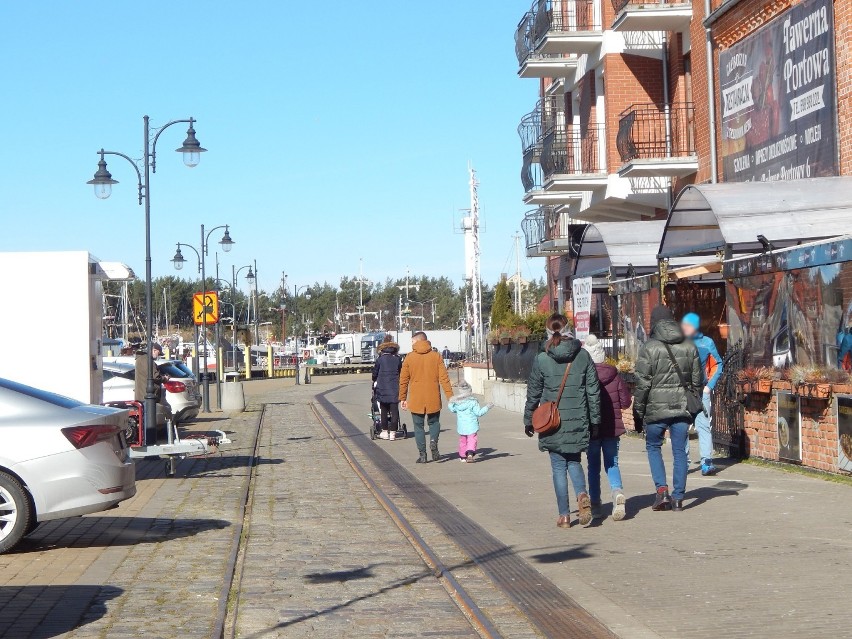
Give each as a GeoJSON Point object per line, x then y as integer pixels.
{"type": "Point", "coordinates": [546, 117]}
{"type": "Point", "coordinates": [560, 28]}
{"type": "Point", "coordinates": [548, 231]}
{"type": "Point", "coordinates": [572, 158]}
{"type": "Point", "coordinates": [655, 142]}
{"type": "Point", "coordinates": [651, 15]}
{"type": "Point", "coordinates": [539, 65]}
{"type": "Point", "coordinates": [533, 228]}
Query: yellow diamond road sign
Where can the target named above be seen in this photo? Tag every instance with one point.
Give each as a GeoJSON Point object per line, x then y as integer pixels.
{"type": "Point", "coordinates": [205, 308]}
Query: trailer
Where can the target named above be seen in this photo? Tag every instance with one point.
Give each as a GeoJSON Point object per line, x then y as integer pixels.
{"type": "Point", "coordinates": [344, 348]}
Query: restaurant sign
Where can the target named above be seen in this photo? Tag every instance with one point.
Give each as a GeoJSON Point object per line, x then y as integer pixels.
{"type": "Point", "coordinates": [778, 98]}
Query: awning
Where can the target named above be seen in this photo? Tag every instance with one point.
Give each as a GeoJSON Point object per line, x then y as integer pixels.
{"type": "Point", "coordinates": [622, 247]}
{"type": "Point", "coordinates": [708, 217]}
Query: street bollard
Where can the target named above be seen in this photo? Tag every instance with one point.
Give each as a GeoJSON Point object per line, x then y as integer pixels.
{"type": "Point", "coordinates": [307, 374]}
{"type": "Point", "coordinates": [269, 362]}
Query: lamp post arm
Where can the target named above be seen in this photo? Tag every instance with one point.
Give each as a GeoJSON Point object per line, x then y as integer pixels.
{"type": "Point", "coordinates": [194, 250]}
{"type": "Point", "coordinates": [207, 237]}
{"type": "Point", "coordinates": [159, 132]}
{"type": "Point", "coordinates": [140, 185]}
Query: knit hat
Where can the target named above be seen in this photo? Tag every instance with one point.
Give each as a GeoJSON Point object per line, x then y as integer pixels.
{"type": "Point", "coordinates": [595, 348]}
{"type": "Point", "coordinates": [463, 391]}
{"type": "Point", "coordinates": [692, 319]}
{"type": "Point", "coordinates": [659, 314]}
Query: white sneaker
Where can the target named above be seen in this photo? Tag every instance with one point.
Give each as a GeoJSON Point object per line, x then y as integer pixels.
{"type": "Point", "coordinates": [462, 460]}
{"type": "Point", "coordinates": [392, 435]}
{"type": "Point", "coordinates": [384, 435]}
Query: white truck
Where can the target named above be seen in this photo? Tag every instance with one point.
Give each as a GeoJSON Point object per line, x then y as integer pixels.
{"type": "Point", "coordinates": [456, 341]}
{"type": "Point", "coordinates": [344, 348]}
{"type": "Point", "coordinates": [370, 343]}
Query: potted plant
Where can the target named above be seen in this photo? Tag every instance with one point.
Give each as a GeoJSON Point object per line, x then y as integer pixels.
{"type": "Point", "coordinates": [505, 335]}
{"type": "Point", "coordinates": [724, 330]}
{"type": "Point", "coordinates": [493, 338]}
{"type": "Point", "coordinates": [521, 334]}
{"type": "Point", "coordinates": [626, 369]}
{"type": "Point", "coordinates": [839, 380]}
{"type": "Point", "coordinates": [764, 378]}
{"type": "Point", "coordinates": [810, 382]}
{"type": "Point", "coordinates": [747, 379]}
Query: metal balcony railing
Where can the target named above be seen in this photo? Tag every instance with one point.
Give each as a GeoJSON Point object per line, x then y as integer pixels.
{"type": "Point", "coordinates": [646, 132]}
{"type": "Point", "coordinates": [621, 5]}
{"type": "Point", "coordinates": [573, 150]}
{"type": "Point", "coordinates": [524, 43]}
{"type": "Point", "coordinates": [548, 113]}
{"type": "Point", "coordinates": [533, 227]}
{"type": "Point", "coordinates": [563, 16]}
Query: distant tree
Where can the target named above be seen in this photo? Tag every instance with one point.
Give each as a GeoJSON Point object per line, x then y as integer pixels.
{"type": "Point", "coordinates": [501, 308]}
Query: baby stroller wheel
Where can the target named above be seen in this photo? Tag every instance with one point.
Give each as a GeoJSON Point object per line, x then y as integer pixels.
{"type": "Point", "coordinates": [372, 432]}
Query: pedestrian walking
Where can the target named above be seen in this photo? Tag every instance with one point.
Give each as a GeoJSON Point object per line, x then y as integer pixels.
{"type": "Point", "coordinates": [660, 400]}
{"type": "Point", "coordinates": [615, 397]}
{"type": "Point", "coordinates": [468, 411]}
{"type": "Point", "coordinates": [445, 354]}
{"type": "Point", "coordinates": [579, 411]}
{"type": "Point", "coordinates": [711, 368]}
{"type": "Point", "coordinates": [386, 373]}
{"type": "Point", "coordinates": [421, 380]}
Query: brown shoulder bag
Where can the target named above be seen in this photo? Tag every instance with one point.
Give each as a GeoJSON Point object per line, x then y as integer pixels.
{"type": "Point", "coordinates": [545, 418]}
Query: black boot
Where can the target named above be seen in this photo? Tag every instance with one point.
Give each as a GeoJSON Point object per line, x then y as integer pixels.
{"type": "Point", "coordinates": [422, 459]}
{"type": "Point", "coordinates": [663, 500]}
{"type": "Point", "coordinates": [677, 505]}
{"type": "Point", "coordinates": [436, 456]}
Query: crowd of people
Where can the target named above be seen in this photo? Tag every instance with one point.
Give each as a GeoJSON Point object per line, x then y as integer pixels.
{"type": "Point", "coordinates": [676, 371]}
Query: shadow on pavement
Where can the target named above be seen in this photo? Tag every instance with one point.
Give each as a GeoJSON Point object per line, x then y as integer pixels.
{"type": "Point", "coordinates": [101, 532]}
{"type": "Point", "coordinates": [341, 576]}
{"type": "Point", "coordinates": [694, 497]}
{"type": "Point", "coordinates": [560, 556]}
{"type": "Point", "coordinates": [42, 612]}
{"type": "Point", "coordinates": [204, 466]}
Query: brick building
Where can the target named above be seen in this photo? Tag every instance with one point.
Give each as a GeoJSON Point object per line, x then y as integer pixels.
{"type": "Point", "coordinates": [625, 116]}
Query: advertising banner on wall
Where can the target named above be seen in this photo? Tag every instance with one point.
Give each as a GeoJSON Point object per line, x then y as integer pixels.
{"type": "Point", "coordinates": [789, 433]}
{"type": "Point", "coordinates": [582, 300]}
{"type": "Point", "coordinates": [778, 102]}
{"type": "Point", "coordinates": [844, 433]}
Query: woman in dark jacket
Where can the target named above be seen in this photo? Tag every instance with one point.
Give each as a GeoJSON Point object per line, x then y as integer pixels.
{"type": "Point", "coordinates": [579, 411]}
{"type": "Point", "coordinates": [615, 397]}
{"type": "Point", "coordinates": [660, 400]}
{"type": "Point", "coordinates": [386, 386]}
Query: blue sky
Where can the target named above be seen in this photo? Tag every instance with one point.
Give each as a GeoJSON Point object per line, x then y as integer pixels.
{"type": "Point", "coordinates": [336, 130]}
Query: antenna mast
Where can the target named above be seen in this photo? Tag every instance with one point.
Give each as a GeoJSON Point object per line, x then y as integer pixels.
{"type": "Point", "coordinates": [472, 258]}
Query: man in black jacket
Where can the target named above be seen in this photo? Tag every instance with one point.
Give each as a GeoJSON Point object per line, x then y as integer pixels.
{"type": "Point", "coordinates": [660, 400]}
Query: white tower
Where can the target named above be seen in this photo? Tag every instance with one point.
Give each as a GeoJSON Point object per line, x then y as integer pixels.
{"type": "Point", "coordinates": [470, 227]}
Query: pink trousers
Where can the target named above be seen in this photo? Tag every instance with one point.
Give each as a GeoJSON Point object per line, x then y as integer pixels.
{"type": "Point", "coordinates": [467, 444]}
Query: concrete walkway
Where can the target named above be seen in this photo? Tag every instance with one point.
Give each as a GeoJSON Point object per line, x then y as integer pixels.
{"type": "Point", "coordinates": [757, 553]}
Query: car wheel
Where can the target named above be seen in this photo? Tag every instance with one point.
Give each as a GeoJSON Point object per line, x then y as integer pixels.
{"type": "Point", "coordinates": [347, 361]}
{"type": "Point", "coordinates": [15, 512]}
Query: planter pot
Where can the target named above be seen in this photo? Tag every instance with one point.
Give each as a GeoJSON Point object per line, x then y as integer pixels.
{"type": "Point", "coordinates": [842, 389]}
{"type": "Point", "coordinates": [522, 340]}
{"type": "Point", "coordinates": [762, 386]}
{"type": "Point", "coordinates": [513, 362]}
{"type": "Point", "coordinates": [505, 341]}
{"type": "Point", "coordinates": [723, 331]}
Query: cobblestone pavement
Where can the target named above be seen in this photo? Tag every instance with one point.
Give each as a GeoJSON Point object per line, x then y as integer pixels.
{"type": "Point", "coordinates": [758, 552]}
{"type": "Point", "coordinates": [322, 556]}
{"type": "Point", "coordinates": [151, 568]}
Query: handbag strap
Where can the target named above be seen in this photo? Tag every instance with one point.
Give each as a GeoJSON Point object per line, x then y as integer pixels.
{"type": "Point", "coordinates": [686, 387]}
{"type": "Point", "coordinates": [562, 385]}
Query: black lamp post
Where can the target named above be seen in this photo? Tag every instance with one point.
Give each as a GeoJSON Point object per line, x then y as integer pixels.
{"type": "Point", "coordinates": [102, 181]}
{"type": "Point", "coordinates": [178, 260]}
{"type": "Point", "coordinates": [234, 273]}
{"type": "Point", "coordinates": [251, 278]}
{"type": "Point", "coordinates": [296, 290]}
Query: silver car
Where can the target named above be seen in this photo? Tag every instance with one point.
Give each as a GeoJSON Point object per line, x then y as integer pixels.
{"type": "Point", "coordinates": [58, 458]}
{"type": "Point", "coordinates": [182, 390]}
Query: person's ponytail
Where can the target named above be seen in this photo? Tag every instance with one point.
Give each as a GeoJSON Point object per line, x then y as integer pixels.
{"type": "Point", "coordinates": [555, 324]}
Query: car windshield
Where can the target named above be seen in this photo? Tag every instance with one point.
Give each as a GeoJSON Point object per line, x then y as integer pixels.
{"type": "Point", "coordinates": [44, 396]}
{"type": "Point", "coordinates": [334, 347]}
{"type": "Point", "coordinates": [173, 369]}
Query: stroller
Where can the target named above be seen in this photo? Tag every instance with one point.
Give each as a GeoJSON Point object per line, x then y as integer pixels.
{"type": "Point", "coordinates": [376, 417]}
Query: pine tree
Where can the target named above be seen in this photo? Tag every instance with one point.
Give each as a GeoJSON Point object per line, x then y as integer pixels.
{"type": "Point", "coordinates": [501, 309]}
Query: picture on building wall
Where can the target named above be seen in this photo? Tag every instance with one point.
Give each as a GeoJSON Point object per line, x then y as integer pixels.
{"type": "Point", "coordinates": [789, 431]}
{"type": "Point", "coordinates": [844, 433]}
{"type": "Point", "coordinates": [778, 98]}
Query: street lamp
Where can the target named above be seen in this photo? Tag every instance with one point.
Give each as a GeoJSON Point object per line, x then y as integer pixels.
{"type": "Point", "coordinates": [296, 290]}
{"type": "Point", "coordinates": [102, 183]}
{"type": "Point", "coordinates": [234, 273]}
{"type": "Point", "coordinates": [251, 278]}
{"type": "Point", "coordinates": [178, 260]}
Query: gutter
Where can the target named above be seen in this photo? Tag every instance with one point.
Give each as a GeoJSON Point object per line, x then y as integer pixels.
{"type": "Point", "coordinates": [712, 17]}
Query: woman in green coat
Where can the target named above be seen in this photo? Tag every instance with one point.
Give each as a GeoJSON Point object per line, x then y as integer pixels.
{"type": "Point", "coordinates": [579, 411]}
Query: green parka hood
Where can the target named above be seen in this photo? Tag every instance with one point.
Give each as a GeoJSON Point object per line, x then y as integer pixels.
{"type": "Point", "coordinates": [667, 331]}
{"type": "Point", "coordinates": [565, 352]}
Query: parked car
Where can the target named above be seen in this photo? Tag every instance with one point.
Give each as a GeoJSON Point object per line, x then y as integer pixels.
{"type": "Point", "coordinates": [182, 391]}
{"type": "Point", "coordinates": [58, 458]}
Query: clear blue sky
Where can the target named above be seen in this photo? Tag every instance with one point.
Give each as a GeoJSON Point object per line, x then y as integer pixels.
{"type": "Point", "coordinates": [336, 130]}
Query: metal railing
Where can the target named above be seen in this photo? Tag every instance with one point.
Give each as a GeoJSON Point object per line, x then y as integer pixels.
{"type": "Point", "coordinates": [532, 177]}
{"type": "Point", "coordinates": [646, 131]}
{"type": "Point", "coordinates": [621, 5]}
{"type": "Point", "coordinates": [563, 16]}
{"type": "Point", "coordinates": [547, 115]}
{"type": "Point", "coordinates": [524, 43]}
{"type": "Point", "coordinates": [533, 227]}
{"type": "Point", "coordinates": [573, 150]}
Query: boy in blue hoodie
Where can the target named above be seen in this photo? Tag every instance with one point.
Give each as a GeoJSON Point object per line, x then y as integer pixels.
{"type": "Point", "coordinates": [468, 412]}
{"type": "Point", "coordinates": [711, 366]}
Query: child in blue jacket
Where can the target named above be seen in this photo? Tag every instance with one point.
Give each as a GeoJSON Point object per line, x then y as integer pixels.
{"type": "Point", "coordinates": [468, 412]}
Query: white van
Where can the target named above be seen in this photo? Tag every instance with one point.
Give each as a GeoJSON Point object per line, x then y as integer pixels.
{"type": "Point", "coordinates": [344, 348]}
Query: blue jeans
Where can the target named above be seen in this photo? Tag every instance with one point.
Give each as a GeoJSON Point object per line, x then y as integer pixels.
{"type": "Point", "coordinates": [420, 430]}
{"type": "Point", "coordinates": [705, 435]}
{"type": "Point", "coordinates": [608, 447]}
{"type": "Point", "coordinates": [655, 437]}
{"type": "Point", "coordinates": [564, 465]}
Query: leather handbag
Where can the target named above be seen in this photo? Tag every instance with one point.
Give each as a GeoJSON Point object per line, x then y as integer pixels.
{"type": "Point", "coordinates": [694, 401]}
{"type": "Point", "coordinates": [545, 418]}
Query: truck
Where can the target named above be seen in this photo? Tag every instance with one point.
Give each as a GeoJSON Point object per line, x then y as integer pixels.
{"type": "Point", "coordinates": [370, 343]}
{"type": "Point", "coordinates": [456, 341]}
{"type": "Point", "coordinates": [344, 348]}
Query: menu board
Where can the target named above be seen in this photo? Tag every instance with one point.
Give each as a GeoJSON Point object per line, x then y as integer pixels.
{"type": "Point", "coordinates": [844, 433]}
{"type": "Point", "coordinates": [789, 429]}
{"type": "Point", "coordinates": [778, 98]}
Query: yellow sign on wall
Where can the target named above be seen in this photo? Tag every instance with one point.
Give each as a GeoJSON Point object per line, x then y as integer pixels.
{"type": "Point", "coordinates": [205, 308]}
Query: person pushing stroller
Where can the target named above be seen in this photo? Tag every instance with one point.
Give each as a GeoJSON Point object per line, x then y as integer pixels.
{"type": "Point", "coordinates": [386, 386]}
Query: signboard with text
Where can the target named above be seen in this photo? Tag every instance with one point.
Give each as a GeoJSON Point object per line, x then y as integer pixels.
{"type": "Point", "coordinates": [778, 101]}
{"type": "Point", "coordinates": [581, 296]}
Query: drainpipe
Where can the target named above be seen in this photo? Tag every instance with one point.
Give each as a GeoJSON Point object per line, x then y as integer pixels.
{"type": "Point", "coordinates": [711, 93]}
{"type": "Point", "coordinates": [668, 112]}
